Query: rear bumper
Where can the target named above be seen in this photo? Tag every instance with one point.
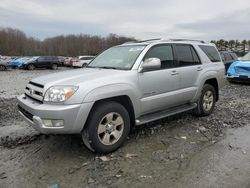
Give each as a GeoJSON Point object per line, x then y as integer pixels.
{"type": "Point", "coordinates": [73, 116]}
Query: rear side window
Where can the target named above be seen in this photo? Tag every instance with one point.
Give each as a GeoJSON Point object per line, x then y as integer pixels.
{"type": "Point", "coordinates": [228, 57]}
{"type": "Point", "coordinates": [211, 53]}
{"type": "Point", "coordinates": [86, 58]}
{"type": "Point", "coordinates": [186, 55]}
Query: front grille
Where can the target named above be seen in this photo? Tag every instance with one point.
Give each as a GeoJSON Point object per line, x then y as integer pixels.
{"type": "Point", "coordinates": [34, 91]}
{"type": "Point", "coordinates": [33, 98]}
{"type": "Point", "coordinates": [36, 84]}
{"type": "Point", "coordinates": [25, 113]}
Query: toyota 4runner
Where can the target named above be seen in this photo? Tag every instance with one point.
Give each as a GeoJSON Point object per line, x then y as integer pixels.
{"type": "Point", "coordinates": [126, 85]}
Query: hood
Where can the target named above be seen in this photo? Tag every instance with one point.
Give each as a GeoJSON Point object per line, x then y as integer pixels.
{"type": "Point", "coordinates": [77, 77]}
{"type": "Point", "coordinates": [242, 67]}
{"type": "Point", "coordinates": [242, 64]}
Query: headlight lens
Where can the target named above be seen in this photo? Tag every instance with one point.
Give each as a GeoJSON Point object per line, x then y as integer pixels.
{"type": "Point", "coordinates": [59, 93]}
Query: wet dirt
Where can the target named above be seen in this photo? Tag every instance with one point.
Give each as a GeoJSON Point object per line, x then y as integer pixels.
{"type": "Point", "coordinates": [180, 151]}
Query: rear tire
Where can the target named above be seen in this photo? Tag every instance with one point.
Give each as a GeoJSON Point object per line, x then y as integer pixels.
{"type": "Point", "coordinates": [54, 66]}
{"type": "Point", "coordinates": [2, 68]}
{"type": "Point", "coordinates": [84, 65]}
{"type": "Point", "coordinates": [107, 127]}
{"type": "Point", "coordinates": [206, 103]}
{"type": "Point", "coordinates": [30, 67]}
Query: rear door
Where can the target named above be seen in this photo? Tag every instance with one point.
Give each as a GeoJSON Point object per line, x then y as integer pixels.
{"type": "Point", "coordinates": [159, 87]}
{"type": "Point", "coordinates": [189, 68]}
{"type": "Point", "coordinates": [41, 61]}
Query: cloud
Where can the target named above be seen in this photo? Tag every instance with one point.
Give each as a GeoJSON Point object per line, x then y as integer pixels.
{"type": "Point", "coordinates": [232, 25]}
{"type": "Point", "coordinates": [141, 19]}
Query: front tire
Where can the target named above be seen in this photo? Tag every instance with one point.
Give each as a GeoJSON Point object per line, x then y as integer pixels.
{"type": "Point", "coordinates": [84, 65]}
{"type": "Point", "coordinates": [207, 101]}
{"type": "Point", "coordinates": [2, 68]}
{"type": "Point", "coordinates": [54, 66]}
{"type": "Point", "coordinates": [30, 67]}
{"type": "Point", "coordinates": [107, 127]}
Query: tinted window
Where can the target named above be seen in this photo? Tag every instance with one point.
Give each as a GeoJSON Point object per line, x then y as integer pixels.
{"type": "Point", "coordinates": [234, 56]}
{"type": "Point", "coordinates": [41, 58]}
{"type": "Point", "coordinates": [86, 58]}
{"type": "Point", "coordinates": [186, 55]}
{"type": "Point", "coordinates": [211, 53]}
{"type": "Point", "coordinates": [164, 53]}
{"type": "Point", "coordinates": [222, 56]}
{"type": "Point", "coordinates": [228, 57]}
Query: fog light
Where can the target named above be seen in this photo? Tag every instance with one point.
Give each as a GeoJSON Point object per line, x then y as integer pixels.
{"type": "Point", "coordinates": [57, 123]}
{"type": "Point", "coordinates": [52, 123]}
{"type": "Point", "coordinates": [47, 123]}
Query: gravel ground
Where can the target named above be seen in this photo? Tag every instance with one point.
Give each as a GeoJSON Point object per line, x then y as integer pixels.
{"type": "Point", "coordinates": [180, 151]}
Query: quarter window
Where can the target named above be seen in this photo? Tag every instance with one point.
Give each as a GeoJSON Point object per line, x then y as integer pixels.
{"type": "Point", "coordinates": [211, 53]}
{"type": "Point", "coordinates": [164, 53]}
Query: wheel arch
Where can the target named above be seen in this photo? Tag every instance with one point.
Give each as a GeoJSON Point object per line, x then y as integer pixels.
{"type": "Point", "coordinates": [124, 100]}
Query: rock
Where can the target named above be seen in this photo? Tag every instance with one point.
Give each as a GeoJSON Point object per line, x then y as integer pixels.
{"type": "Point", "coordinates": [172, 155]}
{"type": "Point", "coordinates": [203, 129]}
{"type": "Point", "coordinates": [109, 182]}
{"type": "Point", "coordinates": [91, 180]}
{"type": "Point", "coordinates": [244, 152]}
{"type": "Point", "coordinates": [54, 186]}
{"type": "Point", "coordinates": [104, 158]}
{"type": "Point", "coordinates": [130, 155]}
{"type": "Point", "coordinates": [3, 175]}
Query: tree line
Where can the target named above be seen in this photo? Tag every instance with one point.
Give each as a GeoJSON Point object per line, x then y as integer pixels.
{"type": "Point", "coordinates": [236, 46]}
{"type": "Point", "coordinates": [14, 42]}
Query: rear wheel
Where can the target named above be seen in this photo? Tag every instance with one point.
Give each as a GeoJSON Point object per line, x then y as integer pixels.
{"type": "Point", "coordinates": [107, 127]}
{"type": "Point", "coordinates": [207, 101]}
{"type": "Point", "coordinates": [30, 67]}
{"type": "Point", "coordinates": [54, 66]}
{"type": "Point", "coordinates": [2, 68]}
{"type": "Point", "coordinates": [84, 65]}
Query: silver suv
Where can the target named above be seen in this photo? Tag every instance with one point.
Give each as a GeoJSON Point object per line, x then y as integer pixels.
{"type": "Point", "coordinates": [126, 85]}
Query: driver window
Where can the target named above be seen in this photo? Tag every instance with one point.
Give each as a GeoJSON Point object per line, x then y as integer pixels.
{"type": "Point", "coordinates": [164, 53]}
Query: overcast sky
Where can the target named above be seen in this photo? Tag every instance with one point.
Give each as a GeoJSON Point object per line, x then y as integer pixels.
{"type": "Point", "coordinates": [142, 19]}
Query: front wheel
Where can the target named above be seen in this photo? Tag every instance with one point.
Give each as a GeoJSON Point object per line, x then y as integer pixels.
{"type": "Point", "coordinates": [30, 67]}
{"type": "Point", "coordinates": [84, 65]}
{"type": "Point", "coordinates": [207, 101]}
{"type": "Point", "coordinates": [2, 68]}
{"type": "Point", "coordinates": [107, 127]}
{"type": "Point", "coordinates": [54, 66]}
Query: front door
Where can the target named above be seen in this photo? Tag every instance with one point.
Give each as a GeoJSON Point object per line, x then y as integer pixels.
{"type": "Point", "coordinates": [159, 87]}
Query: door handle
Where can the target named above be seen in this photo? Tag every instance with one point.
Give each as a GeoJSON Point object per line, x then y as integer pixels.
{"type": "Point", "coordinates": [199, 68]}
{"type": "Point", "coordinates": [174, 72]}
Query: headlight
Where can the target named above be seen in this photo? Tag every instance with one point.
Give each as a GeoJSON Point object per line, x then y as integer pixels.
{"type": "Point", "coordinates": [59, 93]}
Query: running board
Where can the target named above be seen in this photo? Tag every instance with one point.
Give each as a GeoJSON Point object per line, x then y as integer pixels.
{"type": "Point", "coordinates": [164, 113]}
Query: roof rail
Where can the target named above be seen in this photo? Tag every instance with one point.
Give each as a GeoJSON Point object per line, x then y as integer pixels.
{"type": "Point", "coordinates": [141, 41]}
{"type": "Point", "coordinates": [191, 40]}
{"type": "Point", "coordinates": [148, 40]}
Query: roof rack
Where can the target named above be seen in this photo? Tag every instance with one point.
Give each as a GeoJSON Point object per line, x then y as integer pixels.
{"type": "Point", "coordinates": [191, 40]}
{"type": "Point", "coordinates": [160, 39]}
{"type": "Point", "coordinates": [141, 41]}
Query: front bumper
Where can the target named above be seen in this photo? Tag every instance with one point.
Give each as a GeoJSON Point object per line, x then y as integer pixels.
{"type": "Point", "coordinates": [74, 116]}
{"type": "Point", "coordinates": [244, 79]}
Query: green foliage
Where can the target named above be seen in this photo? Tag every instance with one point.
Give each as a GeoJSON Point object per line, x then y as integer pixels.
{"type": "Point", "coordinates": [236, 46]}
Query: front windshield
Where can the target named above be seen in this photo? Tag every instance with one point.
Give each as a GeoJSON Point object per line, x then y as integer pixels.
{"type": "Point", "coordinates": [119, 57]}
{"type": "Point", "coordinates": [246, 57]}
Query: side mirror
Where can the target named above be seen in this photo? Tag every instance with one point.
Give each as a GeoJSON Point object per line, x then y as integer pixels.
{"type": "Point", "coordinates": [150, 64]}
